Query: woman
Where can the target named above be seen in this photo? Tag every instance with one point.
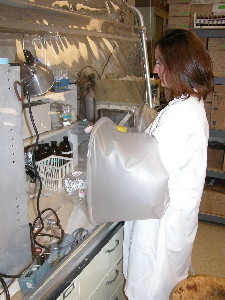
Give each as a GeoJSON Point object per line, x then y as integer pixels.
{"type": "Point", "coordinates": [157, 252]}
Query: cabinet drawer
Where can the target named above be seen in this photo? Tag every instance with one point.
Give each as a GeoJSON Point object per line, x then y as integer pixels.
{"type": "Point", "coordinates": [101, 264]}
{"type": "Point", "coordinates": [109, 284]}
{"type": "Point", "coordinates": [119, 293]}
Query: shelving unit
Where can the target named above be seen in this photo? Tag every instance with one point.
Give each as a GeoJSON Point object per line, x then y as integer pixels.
{"type": "Point", "coordinates": [211, 218]}
{"type": "Point", "coordinates": [49, 134]}
{"type": "Point", "coordinates": [213, 171]}
{"type": "Point", "coordinates": [217, 133]}
{"type": "Point", "coordinates": [209, 32]}
{"type": "Point", "coordinates": [54, 96]}
{"type": "Point", "coordinates": [220, 134]}
{"type": "Point", "coordinates": [65, 97]}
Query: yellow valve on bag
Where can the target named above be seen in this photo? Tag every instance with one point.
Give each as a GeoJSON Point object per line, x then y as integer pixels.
{"type": "Point", "coordinates": [121, 128]}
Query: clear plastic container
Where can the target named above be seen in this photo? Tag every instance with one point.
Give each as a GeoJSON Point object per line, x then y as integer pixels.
{"type": "Point", "coordinates": [67, 114]}
{"type": "Point", "coordinates": [56, 115]}
{"type": "Point", "coordinates": [75, 186]}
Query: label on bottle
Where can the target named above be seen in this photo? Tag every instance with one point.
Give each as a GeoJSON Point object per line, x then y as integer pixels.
{"type": "Point", "coordinates": [68, 116]}
{"type": "Point", "coordinates": [67, 119]}
{"type": "Point", "coordinates": [67, 152]}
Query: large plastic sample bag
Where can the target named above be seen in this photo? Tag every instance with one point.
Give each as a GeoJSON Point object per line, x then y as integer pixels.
{"type": "Point", "coordinates": [126, 179]}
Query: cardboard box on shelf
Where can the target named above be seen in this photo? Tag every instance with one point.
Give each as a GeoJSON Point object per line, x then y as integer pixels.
{"type": "Point", "coordinates": [215, 154]}
{"type": "Point", "coordinates": [200, 9]}
{"type": "Point", "coordinates": [206, 1]}
{"type": "Point", "coordinates": [224, 165]}
{"type": "Point", "coordinates": [209, 119]}
{"type": "Point", "coordinates": [208, 98]}
{"type": "Point", "coordinates": [213, 200]}
{"type": "Point", "coordinates": [219, 88]}
{"type": "Point", "coordinates": [177, 1]}
{"type": "Point", "coordinates": [218, 61]}
{"type": "Point", "coordinates": [178, 22]}
{"type": "Point", "coordinates": [218, 8]}
{"type": "Point", "coordinates": [208, 107]}
{"type": "Point", "coordinates": [218, 111]}
{"type": "Point", "coordinates": [215, 166]}
{"type": "Point", "coordinates": [179, 10]}
{"type": "Point", "coordinates": [219, 69]}
{"type": "Point", "coordinates": [215, 44]}
{"type": "Point", "coordinates": [219, 72]}
{"type": "Point", "coordinates": [217, 56]}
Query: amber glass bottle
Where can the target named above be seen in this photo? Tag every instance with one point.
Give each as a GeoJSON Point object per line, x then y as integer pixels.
{"type": "Point", "coordinates": [54, 149]}
{"type": "Point", "coordinates": [65, 147]}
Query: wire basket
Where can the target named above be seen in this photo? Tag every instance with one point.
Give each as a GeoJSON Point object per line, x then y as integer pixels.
{"type": "Point", "coordinates": [52, 171]}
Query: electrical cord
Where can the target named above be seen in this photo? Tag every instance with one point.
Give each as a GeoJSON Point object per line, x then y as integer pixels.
{"type": "Point", "coordinates": [5, 287]}
{"type": "Point", "coordinates": [57, 222]}
{"type": "Point", "coordinates": [33, 158]}
{"type": "Point", "coordinates": [9, 276]}
{"type": "Point", "coordinates": [40, 213]}
{"type": "Point", "coordinates": [33, 248]}
{"type": "Point", "coordinates": [91, 68]}
{"type": "Point", "coordinates": [39, 231]}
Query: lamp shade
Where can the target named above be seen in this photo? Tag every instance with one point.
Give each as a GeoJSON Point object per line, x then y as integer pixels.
{"type": "Point", "coordinates": [37, 77]}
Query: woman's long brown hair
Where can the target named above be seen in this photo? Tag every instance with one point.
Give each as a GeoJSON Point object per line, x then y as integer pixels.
{"type": "Point", "coordinates": [188, 67]}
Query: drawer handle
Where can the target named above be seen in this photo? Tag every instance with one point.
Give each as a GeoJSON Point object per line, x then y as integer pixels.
{"type": "Point", "coordinates": [111, 250]}
{"type": "Point", "coordinates": [111, 281]}
{"type": "Point", "coordinates": [68, 291]}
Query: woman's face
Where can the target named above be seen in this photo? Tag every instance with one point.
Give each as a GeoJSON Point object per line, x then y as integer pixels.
{"type": "Point", "coordinates": [159, 67]}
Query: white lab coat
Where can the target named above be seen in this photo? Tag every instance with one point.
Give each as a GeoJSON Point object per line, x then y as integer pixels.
{"type": "Point", "coordinates": [157, 252]}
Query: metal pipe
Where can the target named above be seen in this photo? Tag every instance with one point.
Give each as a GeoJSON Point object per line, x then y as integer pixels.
{"type": "Point", "coordinates": [144, 48]}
